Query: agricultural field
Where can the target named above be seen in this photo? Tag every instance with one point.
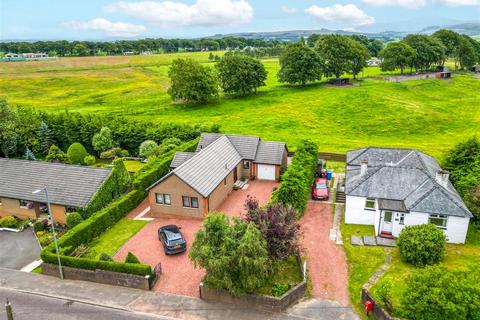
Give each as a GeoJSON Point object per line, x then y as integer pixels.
{"type": "Point", "coordinates": [430, 114]}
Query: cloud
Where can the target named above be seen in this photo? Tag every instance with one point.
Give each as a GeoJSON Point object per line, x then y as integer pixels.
{"type": "Point", "coordinates": [113, 29]}
{"type": "Point", "coordinates": [202, 13]}
{"type": "Point", "coordinates": [413, 4]}
{"type": "Point", "coordinates": [348, 14]}
{"type": "Point", "coordinates": [288, 9]}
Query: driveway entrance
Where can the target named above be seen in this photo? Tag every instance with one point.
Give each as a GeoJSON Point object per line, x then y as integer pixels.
{"type": "Point", "coordinates": [18, 249]}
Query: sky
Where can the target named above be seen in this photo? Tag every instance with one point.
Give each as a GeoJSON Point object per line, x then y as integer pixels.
{"type": "Point", "coordinates": [110, 19]}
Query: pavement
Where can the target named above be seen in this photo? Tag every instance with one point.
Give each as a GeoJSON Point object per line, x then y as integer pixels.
{"type": "Point", "coordinates": [109, 301]}
{"type": "Point", "coordinates": [18, 249]}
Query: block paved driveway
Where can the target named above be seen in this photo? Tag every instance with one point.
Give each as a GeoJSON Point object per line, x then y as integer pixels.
{"type": "Point", "coordinates": [18, 249]}
{"type": "Point", "coordinates": [326, 261]}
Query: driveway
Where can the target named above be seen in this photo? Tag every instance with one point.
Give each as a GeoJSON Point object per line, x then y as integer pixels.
{"type": "Point", "coordinates": [18, 249]}
{"type": "Point", "coordinates": [326, 261]}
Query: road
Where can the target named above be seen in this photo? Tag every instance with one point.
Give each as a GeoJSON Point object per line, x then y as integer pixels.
{"type": "Point", "coordinates": [27, 306]}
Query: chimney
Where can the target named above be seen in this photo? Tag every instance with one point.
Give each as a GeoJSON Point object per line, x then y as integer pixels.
{"type": "Point", "coordinates": [442, 178]}
{"type": "Point", "coordinates": [363, 166]}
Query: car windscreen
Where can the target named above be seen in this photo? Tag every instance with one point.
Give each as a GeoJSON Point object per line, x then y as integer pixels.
{"type": "Point", "coordinates": [172, 236]}
{"type": "Point", "coordinates": [321, 185]}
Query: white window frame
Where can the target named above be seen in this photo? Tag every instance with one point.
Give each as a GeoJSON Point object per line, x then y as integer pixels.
{"type": "Point", "coordinates": [159, 196]}
{"type": "Point", "coordinates": [439, 217]}
{"type": "Point", "coordinates": [374, 204]}
{"type": "Point", "coordinates": [26, 203]}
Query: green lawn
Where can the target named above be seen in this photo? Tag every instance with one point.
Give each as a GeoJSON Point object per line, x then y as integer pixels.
{"type": "Point", "coordinates": [431, 115]}
{"type": "Point", "coordinates": [133, 165]}
{"type": "Point", "coordinates": [287, 272]}
{"type": "Point", "coordinates": [114, 238]}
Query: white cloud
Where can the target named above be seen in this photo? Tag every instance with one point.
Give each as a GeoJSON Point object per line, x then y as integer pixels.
{"type": "Point", "coordinates": [201, 13]}
{"type": "Point", "coordinates": [413, 4]}
{"type": "Point", "coordinates": [348, 14]}
{"type": "Point", "coordinates": [113, 29]}
{"type": "Point", "coordinates": [288, 9]}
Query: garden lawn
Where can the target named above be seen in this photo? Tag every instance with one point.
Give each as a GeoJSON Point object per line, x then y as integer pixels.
{"type": "Point", "coordinates": [287, 274]}
{"type": "Point", "coordinates": [110, 241]}
{"type": "Point", "coordinates": [431, 115]}
{"type": "Point", "coordinates": [458, 257]}
{"type": "Point", "coordinates": [133, 165]}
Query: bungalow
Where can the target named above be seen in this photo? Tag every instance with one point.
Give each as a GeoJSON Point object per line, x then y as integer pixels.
{"type": "Point", "coordinates": [393, 188]}
{"type": "Point", "coordinates": [69, 187]}
{"type": "Point", "coordinates": [200, 181]}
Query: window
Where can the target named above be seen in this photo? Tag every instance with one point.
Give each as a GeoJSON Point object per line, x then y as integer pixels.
{"type": "Point", "coordinates": [246, 164]}
{"type": "Point", "coordinates": [194, 202]}
{"type": "Point", "coordinates": [163, 198]}
{"type": "Point", "coordinates": [186, 201]}
{"type": "Point", "coordinates": [370, 204]}
{"type": "Point", "coordinates": [438, 220]}
{"type": "Point", "coordinates": [387, 217]}
{"type": "Point", "coordinates": [166, 199]}
{"type": "Point", "coordinates": [159, 198]}
{"type": "Point", "coordinates": [69, 209]}
{"type": "Point", "coordinates": [225, 181]}
{"type": "Point", "coordinates": [402, 218]}
{"type": "Point", "coordinates": [23, 203]}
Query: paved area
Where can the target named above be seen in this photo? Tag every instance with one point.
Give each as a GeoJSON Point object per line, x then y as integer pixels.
{"type": "Point", "coordinates": [372, 241]}
{"type": "Point", "coordinates": [178, 274]}
{"type": "Point", "coordinates": [260, 189]}
{"type": "Point", "coordinates": [75, 293]}
{"type": "Point", "coordinates": [18, 249]}
{"type": "Point", "coordinates": [326, 261]}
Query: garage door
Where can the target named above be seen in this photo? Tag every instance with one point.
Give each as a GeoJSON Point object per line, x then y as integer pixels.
{"type": "Point", "coordinates": [266, 172]}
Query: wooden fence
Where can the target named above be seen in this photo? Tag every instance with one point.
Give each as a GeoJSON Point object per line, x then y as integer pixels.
{"type": "Point", "coordinates": [329, 156]}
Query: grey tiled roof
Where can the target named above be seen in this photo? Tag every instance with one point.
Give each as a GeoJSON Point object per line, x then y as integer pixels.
{"type": "Point", "coordinates": [68, 185]}
{"type": "Point", "coordinates": [245, 145]}
{"type": "Point", "coordinates": [180, 157]}
{"type": "Point", "coordinates": [206, 170]}
{"type": "Point", "coordinates": [270, 152]}
{"type": "Point", "coordinates": [406, 175]}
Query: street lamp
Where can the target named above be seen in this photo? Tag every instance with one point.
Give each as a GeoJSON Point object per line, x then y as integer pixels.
{"type": "Point", "coordinates": [53, 227]}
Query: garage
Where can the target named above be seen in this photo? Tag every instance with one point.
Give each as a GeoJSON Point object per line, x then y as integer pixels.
{"type": "Point", "coordinates": [266, 172]}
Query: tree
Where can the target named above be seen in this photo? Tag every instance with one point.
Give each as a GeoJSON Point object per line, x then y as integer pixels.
{"type": "Point", "coordinates": [277, 225]}
{"type": "Point", "coordinates": [8, 134]}
{"type": "Point", "coordinates": [234, 255]}
{"type": "Point", "coordinates": [451, 42]}
{"type": "Point", "coordinates": [466, 53]}
{"type": "Point", "coordinates": [77, 153]}
{"type": "Point", "coordinates": [396, 55]}
{"type": "Point", "coordinates": [335, 52]}
{"type": "Point", "coordinates": [299, 64]}
{"type": "Point", "coordinates": [56, 154]}
{"type": "Point", "coordinates": [29, 155]}
{"type": "Point", "coordinates": [428, 50]}
{"type": "Point", "coordinates": [103, 140]}
{"type": "Point", "coordinates": [360, 55]}
{"type": "Point", "coordinates": [191, 82]}
{"type": "Point", "coordinates": [73, 219]}
{"type": "Point", "coordinates": [146, 148]}
{"type": "Point", "coordinates": [240, 75]}
{"type": "Point", "coordinates": [45, 136]}
{"type": "Point", "coordinates": [422, 245]}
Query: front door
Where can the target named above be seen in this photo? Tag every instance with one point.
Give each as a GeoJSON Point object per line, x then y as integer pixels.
{"type": "Point", "coordinates": [387, 225]}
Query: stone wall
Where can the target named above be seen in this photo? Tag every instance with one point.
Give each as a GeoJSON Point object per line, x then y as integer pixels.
{"type": "Point", "coordinates": [102, 276]}
{"type": "Point", "coordinates": [378, 313]}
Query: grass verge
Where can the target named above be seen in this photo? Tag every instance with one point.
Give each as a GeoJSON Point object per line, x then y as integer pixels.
{"type": "Point", "coordinates": [287, 274]}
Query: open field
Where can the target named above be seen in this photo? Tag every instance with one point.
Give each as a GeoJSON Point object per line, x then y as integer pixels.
{"type": "Point", "coordinates": [431, 115]}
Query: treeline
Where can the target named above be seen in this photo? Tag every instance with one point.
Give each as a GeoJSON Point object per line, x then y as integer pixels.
{"type": "Point", "coordinates": [25, 129]}
{"type": "Point", "coordinates": [421, 52]}
{"type": "Point", "coordinates": [91, 48]}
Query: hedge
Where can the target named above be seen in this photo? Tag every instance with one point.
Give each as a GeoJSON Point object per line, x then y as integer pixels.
{"type": "Point", "coordinates": [114, 186]}
{"type": "Point", "coordinates": [158, 167]}
{"type": "Point", "coordinates": [297, 179]}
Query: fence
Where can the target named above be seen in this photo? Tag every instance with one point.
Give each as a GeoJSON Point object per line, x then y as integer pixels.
{"type": "Point", "coordinates": [330, 156]}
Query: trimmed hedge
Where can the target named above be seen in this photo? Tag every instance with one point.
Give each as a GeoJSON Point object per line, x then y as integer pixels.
{"type": "Point", "coordinates": [158, 167]}
{"type": "Point", "coordinates": [297, 179]}
{"type": "Point", "coordinates": [114, 186]}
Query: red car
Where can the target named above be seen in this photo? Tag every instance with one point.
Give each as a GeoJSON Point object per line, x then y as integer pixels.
{"type": "Point", "coordinates": [320, 189]}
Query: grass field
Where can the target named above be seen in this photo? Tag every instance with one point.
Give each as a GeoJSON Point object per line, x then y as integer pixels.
{"type": "Point", "coordinates": [431, 114]}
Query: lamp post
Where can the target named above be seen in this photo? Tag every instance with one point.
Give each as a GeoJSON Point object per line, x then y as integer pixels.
{"type": "Point", "coordinates": [53, 227]}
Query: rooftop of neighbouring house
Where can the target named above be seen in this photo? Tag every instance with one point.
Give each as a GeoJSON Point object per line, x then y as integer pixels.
{"type": "Point", "coordinates": [402, 180]}
{"type": "Point", "coordinates": [68, 185]}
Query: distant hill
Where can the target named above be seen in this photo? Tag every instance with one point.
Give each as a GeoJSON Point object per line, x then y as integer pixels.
{"type": "Point", "coordinates": [471, 29]}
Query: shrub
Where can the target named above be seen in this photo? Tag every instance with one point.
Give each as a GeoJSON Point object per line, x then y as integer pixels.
{"type": "Point", "coordinates": [103, 140]}
{"type": "Point", "coordinates": [422, 245]}
{"type": "Point", "coordinates": [278, 227]}
{"type": "Point", "coordinates": [8, 222]}
{"type": "Point", "coordinates": [234, 256]}
{"type": "Point", "coordinates": [56, 154]}
{"type": "Point", "coordinates": [114, 153]}
{"type": "Point", "coordinates": [131, 258]}
{"type": "Point", "coordinates": [383, 292]}
{"type": "Point", "coordinates": [89, 160]}
{"type": "Point", "coordinates": [146, 147]}
{"type": "Point", "coordinates": [279, 289]}
{"type": "Point", "coordinates": [38, 226]}
{"type": "Point", "coordinates": [297, 180]}
{"type": "Point", "coordinates": [105, 257]}
{"type": "Point", "coordinates": [77, 153]}
{"type": "Point", "coordinates": [73, 219]}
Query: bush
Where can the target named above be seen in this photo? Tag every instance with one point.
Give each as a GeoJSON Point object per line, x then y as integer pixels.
{"type": "Point", "coordinates": [146, 147]}
{"type": "Point", "coordinates": [279, 289]}
{"type": "Point", "coordinates": [56, 154]}
{"type": "Point", "coordinates": [77, 153]}
{"type": "Point", "coordinates": [114, 153]}
{"type": "Point", "coordinates": [73, 219]}
{"type": "Point", "coordinates": [131, 258]}
{"type": "Point", "coordinates": [422, 245]}
{"type": "Point", "coordinates": [8, 222]}
{"type": "Point", "coordinates": [297, 180]}
{"type": "Point", "coordinates": [89, 160]}
{"type": "Point", "coordinates": [105, 257]}
{"type": "Point", "coordinates": [383, 293]}
{"type": "Point", "coordinates": [38, 226]}
{"type": "Point", "coordinates": [103, 140]}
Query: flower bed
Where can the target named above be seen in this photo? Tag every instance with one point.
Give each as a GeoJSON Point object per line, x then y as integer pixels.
{"type": "Point", "coordinates": [13, 224]}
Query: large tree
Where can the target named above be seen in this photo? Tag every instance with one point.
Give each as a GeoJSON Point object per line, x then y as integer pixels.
{"type": "Point", "coordinates": [466, 53]}
{"type": "Point", "coordinates": [45, 136]}
{"type": "Point", "coordinates": [8, 134]}
{"type": "Point", "coordinates": [450, 40]}
{"type": "Point", "coordinates": [360, 55]}
{"type": "Point", "coordinates": [240, 74]}
{"type": "Point", "coordinates": [103, 140]}
{"type": "Point", "coordinates": [299, 64]}
{"type": "Point", "coordinates": [428, 51]}
{"type": "Point", "coordinates": [191, 82]}
{"type": "Point", "coordinates": [396, 55]}
{"type": "Point", "coordinates": [335, 52]}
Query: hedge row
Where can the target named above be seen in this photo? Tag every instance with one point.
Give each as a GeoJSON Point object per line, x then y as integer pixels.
{"type": "Point", "coordinates": [114, 186]}
{"type": "Point", "coordinates": [296, 183]}
{"type": "Point", "coordinates": [157, 168]}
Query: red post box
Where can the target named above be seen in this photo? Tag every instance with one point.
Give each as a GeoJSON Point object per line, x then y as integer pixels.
{"type": "Point", "coordinates": [368, 305]}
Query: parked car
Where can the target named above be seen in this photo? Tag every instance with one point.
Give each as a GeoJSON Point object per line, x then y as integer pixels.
{"type": "Point", "coordinates": [172, 239]}
{"type": "Point", "coordinates": [320, 189]}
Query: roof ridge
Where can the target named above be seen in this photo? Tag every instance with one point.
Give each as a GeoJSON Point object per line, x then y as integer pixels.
{"type": "Point", "coordinates": [58, 164]}
{"type": "Point", "coordinates": [356, 157]}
